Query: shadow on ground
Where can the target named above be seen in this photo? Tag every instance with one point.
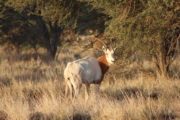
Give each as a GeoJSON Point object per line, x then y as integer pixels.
{"type": "Point", "coordinates": [3, 115]}
{"type": "Point", "coordinates": [80, 116]}
{"type": "Point", "coordinates": [121, 94]}
{"type": "Point", "coordinates": [42, 116]}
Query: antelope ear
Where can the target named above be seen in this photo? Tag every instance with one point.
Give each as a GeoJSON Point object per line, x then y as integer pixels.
{"type": "Point", "coordinates": [104, 48]}
{"type": "Point", "coordinates": [115, 48]}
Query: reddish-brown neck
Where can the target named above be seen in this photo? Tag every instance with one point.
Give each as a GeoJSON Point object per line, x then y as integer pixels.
{"type": "Point", "coordinates": [103, 64]}
{"type": "Point", "coordinates": [104, 67]}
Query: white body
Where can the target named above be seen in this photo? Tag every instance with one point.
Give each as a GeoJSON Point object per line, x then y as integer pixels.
{"type": "Point", "coordinates": [85, 71]}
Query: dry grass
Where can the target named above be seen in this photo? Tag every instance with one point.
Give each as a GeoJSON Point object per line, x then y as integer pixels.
{"type": "Point", "coordinates": [34, 90]}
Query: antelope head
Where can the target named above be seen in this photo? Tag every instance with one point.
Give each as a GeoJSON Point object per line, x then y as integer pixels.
{"type": "Point", "coordinates": [109, 53]}
{"type": "Point", "coordinates": [108, 50]}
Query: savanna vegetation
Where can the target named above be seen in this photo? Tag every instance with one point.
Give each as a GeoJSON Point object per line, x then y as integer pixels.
{"type": "Point", "coordinates": [39, 37]}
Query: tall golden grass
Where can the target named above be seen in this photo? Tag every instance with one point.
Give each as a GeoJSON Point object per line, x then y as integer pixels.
{"type": "Point", "coordinates": [34, 90]}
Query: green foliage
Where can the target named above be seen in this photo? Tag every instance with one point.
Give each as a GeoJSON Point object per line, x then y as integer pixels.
{"type": "Point", "coordinates": [61, 12]}
{"type": "Point", "coordinates": [12, 25]}
{"type": "Point", "coordinates": [90, 18]}
{"type": "Point", "coordinates": [38, 22]}
{"type": "Point", "coordinates": [140, 24]}
{"type": "Point", "coordinates": [18, 29]}
{"type": "Point", "coordinates": [151, 27]}
{"type": "Point", "coordinates": [3, 1]}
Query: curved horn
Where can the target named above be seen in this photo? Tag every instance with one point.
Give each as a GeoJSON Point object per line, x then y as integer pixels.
{"type": "Point", "coordinates": [105, 45]}
{"type": "Point", "coordinates": [111, 44]}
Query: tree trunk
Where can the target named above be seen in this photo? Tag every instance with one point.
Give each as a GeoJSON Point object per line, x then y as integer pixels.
{"type": "Point", "coordinates": [54, 32]}
{"type": "Point", "coordinates": [161, 66]}
{"type": "Point", "coordinates": [164, 66]}
{"type": "Point", "coordinates": [54, 39]}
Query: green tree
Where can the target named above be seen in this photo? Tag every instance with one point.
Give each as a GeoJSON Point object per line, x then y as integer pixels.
{"type": "Point", "coordinates": [19, 30]}
{"type": "Point", "coordinates": [12, 26]}
{"type": "Point", "coordinates": [151, 26]}
{"type": "Point", "coordinates": [90, 18]}
{"type": "Point", "coordinates": [53, 15]}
